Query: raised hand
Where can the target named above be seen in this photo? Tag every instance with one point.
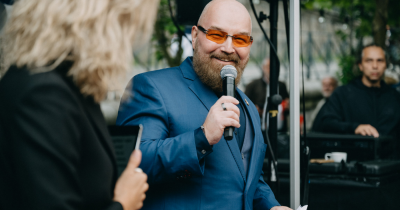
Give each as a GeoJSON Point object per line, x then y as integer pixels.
{"type": "Point", "coordinates": [131, 186]}
{"type": "Point", "coordinates": [218, 118]}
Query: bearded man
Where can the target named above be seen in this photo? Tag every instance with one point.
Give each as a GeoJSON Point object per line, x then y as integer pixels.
{"type": "Point", "coordinates": [188, 162]}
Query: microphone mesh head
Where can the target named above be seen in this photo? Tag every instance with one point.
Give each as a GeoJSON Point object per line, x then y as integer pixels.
{"type": "Point", "coordinates": [228, 70]}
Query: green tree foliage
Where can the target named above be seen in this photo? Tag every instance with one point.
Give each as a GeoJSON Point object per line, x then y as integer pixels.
{"type": "Point", "coordinates": [165, 33]}
{"type": "Point", "coordinates": [365, 18]}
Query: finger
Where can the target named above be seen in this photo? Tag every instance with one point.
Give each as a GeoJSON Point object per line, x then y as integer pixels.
{"type": "Point", "coordinates": [145, 187]}
{"type": "Point", "coordinates": [363, 132]}
{"type": "Point", "coordinates": [357, 131]}
{"type": "Point", "coordinates": [228, 99]}
{"type": "Point", "coordinates": [232, 107]}
{"type": "Point", "coordinates": [141, 178]}
{"type": "Point", "coordinates": [139, 205]}
{"type": "Point", "coordinates": [375, 133]}
{"type": "Point", "coordinates": [135, 159]}
{"type": "Point", "coordinates": [368, 131]}
{"type": "Point", "coordinates": [230, 114]}
{"type": "Point", "coordinates": [231, 122]}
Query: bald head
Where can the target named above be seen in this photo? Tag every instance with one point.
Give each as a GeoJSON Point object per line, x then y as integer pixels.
{"type": "Point", "coordinates": [329, 84]}
{"type": "Point", "coordinates": [225, 9]}
{"type": "Point", "coordinates": [211, 54]}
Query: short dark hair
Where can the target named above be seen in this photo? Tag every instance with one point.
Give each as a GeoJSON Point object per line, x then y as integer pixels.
{"type": "Point", "coordinates": [359, 60]}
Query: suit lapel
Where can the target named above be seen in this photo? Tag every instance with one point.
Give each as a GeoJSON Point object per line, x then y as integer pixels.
{"type": "Point", "coordinates": [203, 93]}
{"type": "Point", "coordinates": [208, 98]}
{"type": "Point", "coordinates": [234, 148]}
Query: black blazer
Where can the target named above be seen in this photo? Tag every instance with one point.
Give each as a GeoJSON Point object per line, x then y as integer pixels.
{"type": "Point", "coordinates": [55, 150]}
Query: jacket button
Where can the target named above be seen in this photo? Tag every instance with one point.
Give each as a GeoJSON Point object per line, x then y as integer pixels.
{"type": "Point", "coordinates": [203, 152]}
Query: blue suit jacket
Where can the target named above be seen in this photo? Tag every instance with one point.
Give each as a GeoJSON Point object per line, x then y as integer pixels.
{"type": "Point", "coordinates": [171, 104]}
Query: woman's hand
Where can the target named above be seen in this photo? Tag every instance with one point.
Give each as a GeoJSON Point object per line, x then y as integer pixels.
{"type": "Point", "coordinates": [131, 186]}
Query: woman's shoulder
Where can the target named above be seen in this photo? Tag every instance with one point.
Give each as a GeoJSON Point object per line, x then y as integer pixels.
{"type": "Point", "coordinates": [19, 83]}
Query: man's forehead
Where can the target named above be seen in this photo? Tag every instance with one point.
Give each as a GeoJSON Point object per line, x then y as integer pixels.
{"type": "Point", "coordinates": [373, 52]}
{"type": "Point", "coordinates": [221, 28]}
{"type": "Point", "coordinates": [226, 15]}
{"type": "Point", "coordinates": [328, 80]}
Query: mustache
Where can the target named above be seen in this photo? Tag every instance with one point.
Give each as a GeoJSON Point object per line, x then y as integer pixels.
{"type": "Point", "coordinates": [233, 57]}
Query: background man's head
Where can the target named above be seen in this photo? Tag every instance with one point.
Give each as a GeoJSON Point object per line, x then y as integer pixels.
{"type": "Point", "coordinates": [265, 68]}
{"type": "Point", "coordinates": [329, 84]}
{"type": "Point", "coordinates": [372, 65]}
{"type": "Point", "coordinates": [209, 57]}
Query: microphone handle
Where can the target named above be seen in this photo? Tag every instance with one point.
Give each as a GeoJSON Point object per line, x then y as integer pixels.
{"type": "Point", "coordinates": [229, 90]}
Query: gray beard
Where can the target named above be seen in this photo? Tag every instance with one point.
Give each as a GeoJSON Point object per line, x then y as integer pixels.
{"type": "Point", "coordinates": [209, 73]}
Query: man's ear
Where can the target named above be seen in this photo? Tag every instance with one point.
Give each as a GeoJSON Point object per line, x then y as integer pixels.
{"type": "Point", "coordinates": [195, 30]}
{"type": "Point", "coordinates": [360, 67]}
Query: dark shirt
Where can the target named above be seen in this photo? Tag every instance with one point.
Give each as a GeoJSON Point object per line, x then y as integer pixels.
{"type": "Point", "coordinates": [239, 132]}
{"type": "Point", "coordinates": [396, 87]}
{"type": "Point", "coordinates": [354, 104]}
{"type": "Point", "coordinates": [316, 126]}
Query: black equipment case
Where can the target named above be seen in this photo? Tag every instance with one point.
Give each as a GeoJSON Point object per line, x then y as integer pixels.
{"type": "Point", "coordinates": [357, 147]}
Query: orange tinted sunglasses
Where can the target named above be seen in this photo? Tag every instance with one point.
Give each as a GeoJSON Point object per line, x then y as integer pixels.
{"type": "Point", "coordinates": [219, 37]}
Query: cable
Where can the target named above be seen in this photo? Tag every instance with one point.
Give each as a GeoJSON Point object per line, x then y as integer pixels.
{"type": "Point", "coordinates": [285, 10]}
{"type": "Point", "coordinates": [265, 35]}
{"type": "Point", "coordinates": [176, 22]}
{"type": "Point", "coordinates": [274, 162]}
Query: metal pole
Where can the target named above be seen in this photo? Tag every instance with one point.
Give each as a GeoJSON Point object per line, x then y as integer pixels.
{"type": "Point", "coordinates": [273, 85]}
{"type": "Point", "coordinates": [294, 103]}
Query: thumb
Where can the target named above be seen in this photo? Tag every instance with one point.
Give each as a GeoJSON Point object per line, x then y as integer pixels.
{"type": "Point", "coordinates": [135, 159]}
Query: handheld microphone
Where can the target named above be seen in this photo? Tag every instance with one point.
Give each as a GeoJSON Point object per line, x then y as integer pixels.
{"type": "Point", "coordinates": [228, 76]}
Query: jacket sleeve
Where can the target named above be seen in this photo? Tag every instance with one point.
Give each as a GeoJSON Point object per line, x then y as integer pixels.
{"type": "Point", "coordinates": [165, 157]}
{"type": "Point", "coordinates": [264, 197]}
{"type": "Point", "coordinates": [43, 150]}
{"type": "Point", "coordinates": [333, 119]}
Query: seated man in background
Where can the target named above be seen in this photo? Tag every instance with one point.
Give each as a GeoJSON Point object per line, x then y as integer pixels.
{"type": "Point", "coordinates": [365, 106]}
{"type": "Point", "coordinates": [329, 84]}
{"type": "Point", "coordinates": [257, 91]}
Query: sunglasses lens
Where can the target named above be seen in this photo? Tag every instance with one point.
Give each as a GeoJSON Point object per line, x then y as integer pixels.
{"type": "Point", "coordinates": [216, 36]}
{"type": "Point", "coordinates": [220, 37]}
{"type": "Point", "coordinates": [241, 40]}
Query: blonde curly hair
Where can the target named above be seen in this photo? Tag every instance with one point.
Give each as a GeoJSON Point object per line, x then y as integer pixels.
{"type": "Point", "coordinates": [97, 35]}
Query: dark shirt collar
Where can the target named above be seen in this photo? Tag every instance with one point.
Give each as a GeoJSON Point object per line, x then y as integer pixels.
{"type": "Point", "coordinates": [358, 82]}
